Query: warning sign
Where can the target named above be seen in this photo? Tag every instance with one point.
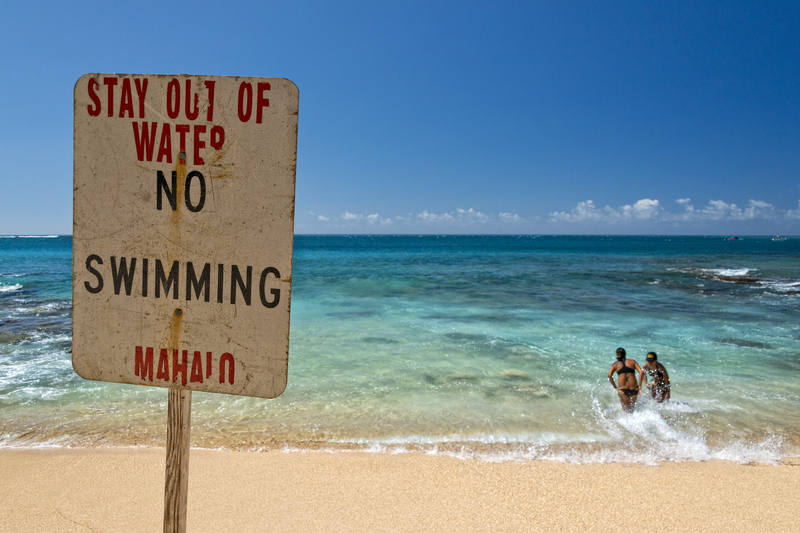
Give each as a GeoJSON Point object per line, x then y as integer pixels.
{"type": "Point", "coordinates": [183, 231]}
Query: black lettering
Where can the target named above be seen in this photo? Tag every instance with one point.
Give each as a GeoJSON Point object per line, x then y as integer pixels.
{"type": "Point", "coordinates": [94, 290]}
{"type": "Point", "coordinates": [220, 280]}
{"type": "Point", "coordinates": [275, 292]}
{"type": "Point", "coordinates": [123, 274]}
{"type": "Point", "coordinates": [192, 281]}
{"type": "Point", "coordinates": [144, 276]}
{"type": "Point", "coordinates": [187, 191]}
{"type": "Point", "coordinates": [167, 282]}
{"type": "Point", "coordinates": [172, 195]}
{"type": "Point", "coordinates": [236, 279]}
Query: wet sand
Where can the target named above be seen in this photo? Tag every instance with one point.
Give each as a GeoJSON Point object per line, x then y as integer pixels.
{"type": "Point", "coordinates": [57, 490]}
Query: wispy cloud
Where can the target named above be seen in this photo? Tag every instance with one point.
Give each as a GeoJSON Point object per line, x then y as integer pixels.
{"type": "Point", "coordinates": [457, 218]}
{"type": "Point", "coordinates": [651, 210]}
{"type": "Point", "coordinates": [644, 209]}
{"type": "Point", "coordinates": [794, 214]}
{"type": "Point", "coordinates": [645, 213]}
{"type": "Point", "coordinates": [511, 218]}
{"type": "Point", "coordinates": [371, 219]}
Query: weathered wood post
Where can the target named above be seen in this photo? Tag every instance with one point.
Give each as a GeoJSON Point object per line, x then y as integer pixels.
{"type": "Point", "coordinates": [176, 486]}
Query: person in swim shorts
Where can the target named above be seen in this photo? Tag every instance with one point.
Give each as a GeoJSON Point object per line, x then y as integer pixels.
{"type": "Point", "coordinates": [628, 388]}
{"type": "Point", "coordinates": [659, 389]}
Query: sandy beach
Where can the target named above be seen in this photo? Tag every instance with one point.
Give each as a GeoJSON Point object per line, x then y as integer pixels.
{"type": "Point", "coordinates": [55, 490]}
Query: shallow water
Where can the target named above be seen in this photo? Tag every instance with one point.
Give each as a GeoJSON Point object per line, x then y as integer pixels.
{"type": "Point", "coordinates": [493, 346]}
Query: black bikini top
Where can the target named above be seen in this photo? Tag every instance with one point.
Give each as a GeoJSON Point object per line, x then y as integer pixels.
{"type": "Point", "coordinates": [624, 369]}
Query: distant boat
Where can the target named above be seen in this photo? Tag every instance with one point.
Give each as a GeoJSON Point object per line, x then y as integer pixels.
{"type": "Point", "coordinates": [732, 239]}
{"type": "Point", "coordinates": [778, 238]}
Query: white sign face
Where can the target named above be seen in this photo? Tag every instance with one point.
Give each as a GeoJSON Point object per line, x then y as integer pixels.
{"type": "Point", "coordinates": [183, 231]}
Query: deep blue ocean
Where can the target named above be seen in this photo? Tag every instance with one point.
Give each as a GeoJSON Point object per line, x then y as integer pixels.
{"type": "Point", "coordinates": [477, 346]}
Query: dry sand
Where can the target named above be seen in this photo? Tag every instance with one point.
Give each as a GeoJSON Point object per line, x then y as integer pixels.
{"type": "Point", "coordinates": [123, 490]}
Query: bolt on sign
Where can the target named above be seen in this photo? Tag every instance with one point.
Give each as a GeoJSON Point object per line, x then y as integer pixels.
{"type": "Point", "coordinates": [183, 225]}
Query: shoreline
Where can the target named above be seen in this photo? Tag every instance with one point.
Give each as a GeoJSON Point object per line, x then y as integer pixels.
{"type": "Point", "coordinates": [121, 489]}
{"type": "Point", "coordinates": [769, 451]}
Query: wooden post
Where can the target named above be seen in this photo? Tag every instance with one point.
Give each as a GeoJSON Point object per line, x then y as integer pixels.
{"type": "Point", "coordinates": [179, 424]}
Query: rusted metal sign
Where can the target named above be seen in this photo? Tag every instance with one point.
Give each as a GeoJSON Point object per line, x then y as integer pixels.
{"type": "Point", "coordinates": [183, 227]}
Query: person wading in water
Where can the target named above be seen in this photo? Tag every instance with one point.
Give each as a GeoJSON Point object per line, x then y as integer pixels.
{"type": "Point", "coordinates": [628, 388]}
{"type": "Point", "coordinates": [659, 390]}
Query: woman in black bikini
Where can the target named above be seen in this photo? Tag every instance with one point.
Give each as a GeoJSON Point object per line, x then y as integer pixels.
{"type": "Point", "coordinates": [659, 390]}
{"type": "Point", "coordinates": [628, 388]}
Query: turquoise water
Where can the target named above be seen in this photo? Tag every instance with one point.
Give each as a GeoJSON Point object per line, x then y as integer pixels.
{"type": "Point", "coordinates": [491, 346]}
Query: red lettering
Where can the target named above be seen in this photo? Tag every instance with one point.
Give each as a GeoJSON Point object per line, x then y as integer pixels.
{"type": "Point", "coordinates": [191, 115]}
{"type": "Point", "coordinates": [229, 358]}
{"type": "Point", "coordinates": [210, 111]}
{"type": "Point", "coordinates": [182, 368]}
{"type": "Point", "coordinates": [197, 369]}
{"type": "Point", "coordinates": [110, 83]}
{"type": "Point", "coordinates": [144, 363]}
{"type": "Point", "coordinates": [126, 101]}
{"type": "Point", "coordinates": [146, 141]}
{"type": "Point", "coordinates": [217, 137]}
{"type": "Point", "coordinates": [244, 113]}
{"type": "Point", "coordinates": [165, 146]}
{"type": "Point", "coordinates": [163, 366]}
{"type": "Point", "coordinates": [208, 364]}
{"type": "Point", "coordinates": [95, 99]}
{"type": "Point", "coordinates": [141, 92]}
{"type": "Point", "coordinates": [261, 102]}
{"type": "Point", "coordinates": [183, 129]}
{"type": "Point", "coordinates": [198, 144]}
{"type": "Point", "coordinates": [173, 98]}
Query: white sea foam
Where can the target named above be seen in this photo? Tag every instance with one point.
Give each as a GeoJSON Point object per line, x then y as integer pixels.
{"type": "Point", "coordinates": [730, 272]}
{"type": "Point", "coordinates": [715, 272]}
{"type": "Point", "coordinates": [42, 308]}
{"type": "Point", "coordinates": [779, 285]}
{"type": "Point", "coordinates": [543, 439]}
{"type": "Point", "coordinates": [10, 288]}
{"type": "Point", "coordinates": [686, 449]}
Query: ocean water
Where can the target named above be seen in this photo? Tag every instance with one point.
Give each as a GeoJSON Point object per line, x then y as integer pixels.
{"type": "Point", "coordinates": [495, 347]}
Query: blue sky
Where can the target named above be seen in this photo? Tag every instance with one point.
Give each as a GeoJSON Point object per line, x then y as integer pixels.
{"type": "Point", "coordinates": [452, 117]}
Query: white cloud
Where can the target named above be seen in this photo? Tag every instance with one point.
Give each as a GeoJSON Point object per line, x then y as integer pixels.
{"type": "Point", "coordinates": [431, 217]}
{"type": "Point", "coordinates": [511, 218]}
{"type": "Point", "coordinates": [794, 213]}
{"type": "Point", "coordinates": [375, 219]}
{"type": "Point", "coordinates": [646, 212]}
{"type": "Point", "coordinates": [471, 214]}
{"type": "Point", "coordinates": [644, 209]}
{"type": "Point", "coordinates": [582, 212]}
{"type": "Point", "coordinates": [459, 216]}
{"type": "Point", "coordinates": [685, 202]}
{"type": "Point", "coordinates": [651, 210]}
{"type": "Point", "coordinates": [720, 210]}
{"type": "Point", "coordinates": [372, 219]}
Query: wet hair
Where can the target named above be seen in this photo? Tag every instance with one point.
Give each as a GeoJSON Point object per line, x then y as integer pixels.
{"type": "Point", "coordinates": [621, 352]}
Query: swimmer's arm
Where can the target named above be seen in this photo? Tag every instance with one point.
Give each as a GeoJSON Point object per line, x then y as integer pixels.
{"type": "Point", "coordinates": [611, 377]}
{"type": "Point", "coordinates": [666, 374]}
